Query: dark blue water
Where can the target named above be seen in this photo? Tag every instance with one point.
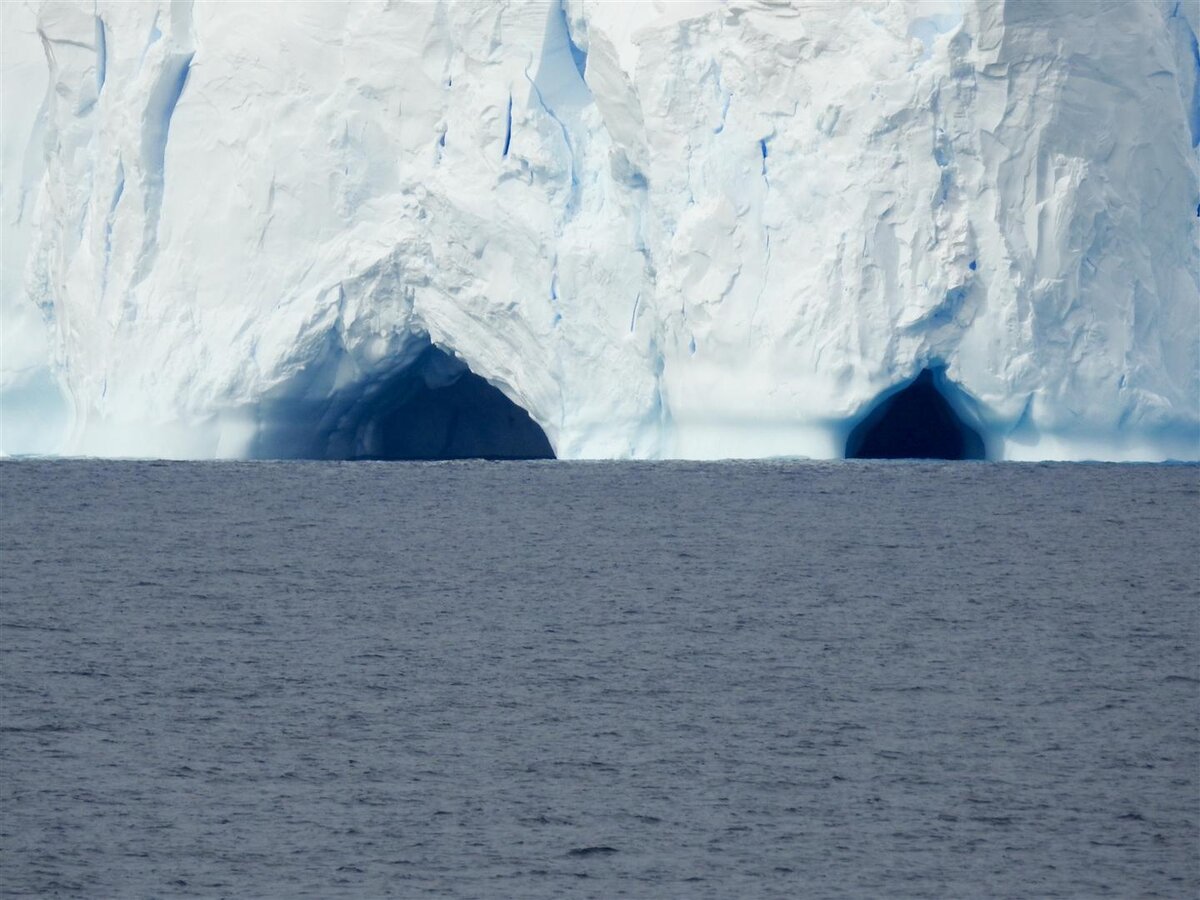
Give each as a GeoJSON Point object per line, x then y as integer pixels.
{"type": "Point", "coordinates": [599, 680]}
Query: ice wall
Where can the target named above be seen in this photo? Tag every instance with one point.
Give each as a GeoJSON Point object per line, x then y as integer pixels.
{"type": "Point", "coordinates": [664, 229]}
{"type": "Point", "coordinates": [34, 415]}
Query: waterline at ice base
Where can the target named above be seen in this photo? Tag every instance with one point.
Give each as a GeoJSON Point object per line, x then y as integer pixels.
{"type": "Point", "coordinates": [602, 230]}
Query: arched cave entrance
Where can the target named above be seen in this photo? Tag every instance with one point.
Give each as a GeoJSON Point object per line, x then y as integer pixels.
{"type": "Point", "coordinates": [436, 409]}
{"type": "Point", "coordinates": [916, 422]}
{"type": "Point", "coordinates": [430, 406]}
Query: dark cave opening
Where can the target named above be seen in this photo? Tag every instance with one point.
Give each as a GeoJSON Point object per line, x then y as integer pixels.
{"type": "Point", "coordinates": [439, 409]}
{"type": "Point", "coordinates": [916, 422]}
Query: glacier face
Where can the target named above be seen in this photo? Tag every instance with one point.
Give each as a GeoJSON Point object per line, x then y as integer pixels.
{"type": "Point", "coordinates": [687, 229]}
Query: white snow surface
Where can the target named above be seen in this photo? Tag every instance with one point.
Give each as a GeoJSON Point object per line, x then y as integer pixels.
{"type": "Point", "coordinates": [666, 229]}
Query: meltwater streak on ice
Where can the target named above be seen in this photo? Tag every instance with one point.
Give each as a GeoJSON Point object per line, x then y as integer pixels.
{"type": "Point", "coordinates": [546, 680]}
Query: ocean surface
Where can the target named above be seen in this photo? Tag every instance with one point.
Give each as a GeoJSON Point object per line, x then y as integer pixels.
{"type": "Point", "coordinates": [599, 680]}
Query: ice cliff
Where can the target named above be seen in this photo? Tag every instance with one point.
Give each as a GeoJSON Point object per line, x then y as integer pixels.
{"type": "Point", "coordinates": [686, 229]}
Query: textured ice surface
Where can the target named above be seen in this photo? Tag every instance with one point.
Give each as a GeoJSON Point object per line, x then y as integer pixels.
{"type": "Point", "coordinates": [690, 229]}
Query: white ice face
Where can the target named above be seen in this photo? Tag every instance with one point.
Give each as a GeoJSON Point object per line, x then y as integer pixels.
{"type": "Point", "coordinates": [691, 229]}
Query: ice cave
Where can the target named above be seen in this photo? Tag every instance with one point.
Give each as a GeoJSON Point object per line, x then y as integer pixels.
{"type": "Point", "coordinates": [440, 409]}
{"type": "Point", "coordinates": [916, 422]}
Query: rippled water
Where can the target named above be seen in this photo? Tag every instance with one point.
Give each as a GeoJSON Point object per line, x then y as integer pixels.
{"type": "Point", "coordinates": [598, 680]}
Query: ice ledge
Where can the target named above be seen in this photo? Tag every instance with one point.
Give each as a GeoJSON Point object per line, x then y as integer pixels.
{"type": "Point", "coordinates": [235, 435]}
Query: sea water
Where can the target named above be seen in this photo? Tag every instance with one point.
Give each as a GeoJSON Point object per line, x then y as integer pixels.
{"type": "Point", "coordinates": [559, 679]}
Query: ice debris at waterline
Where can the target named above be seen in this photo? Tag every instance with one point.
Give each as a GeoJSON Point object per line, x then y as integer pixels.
{"type": "Point", "coordinates": [689, 229]}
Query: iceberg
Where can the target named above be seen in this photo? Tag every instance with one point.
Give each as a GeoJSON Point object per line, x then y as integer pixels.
{"type": "Point", "coordinates": [692, 229]}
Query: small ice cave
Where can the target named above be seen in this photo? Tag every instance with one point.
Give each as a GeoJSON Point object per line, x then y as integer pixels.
{"type": "Point", "coordinates": [916, 422]}
{"type": "Point", "coordinates": [440, 409]}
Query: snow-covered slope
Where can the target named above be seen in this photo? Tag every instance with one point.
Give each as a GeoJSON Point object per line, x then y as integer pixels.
{"type": "Point", "coordinates": [693, 229]}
